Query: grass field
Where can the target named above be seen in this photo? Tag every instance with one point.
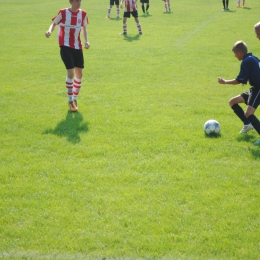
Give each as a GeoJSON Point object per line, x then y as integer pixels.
{"type": "Point", "coordinates": [131, 175]}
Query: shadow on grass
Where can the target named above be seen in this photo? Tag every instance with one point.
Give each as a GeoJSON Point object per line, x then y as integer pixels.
{"type": "Point", "coordinates": [255, 152]}
{"type": "Point", "coordinates": [247, 8]}
{"type": "Point", "coordinates": [115, 19]}
{"type": "Point", "coordinates": [131, 39]}
{"type": "Point", "coordinates": [245, 138]}
{"type": "Point", "coordinates": [229, 11]}
{"type": "Point", "coordinates": [71, 127]}
{"type": "Point", "coordinates": [213, 136]}
{"type": "Point", "coordinates": [145, 15]}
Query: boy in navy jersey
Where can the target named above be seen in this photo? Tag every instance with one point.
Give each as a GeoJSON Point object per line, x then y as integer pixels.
{"type": "Point", "coordinates": [257, 30]}
{"type": "Point", "coordinates": [249, 72]}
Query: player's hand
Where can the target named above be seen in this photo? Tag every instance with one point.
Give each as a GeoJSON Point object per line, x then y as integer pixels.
{"type": "Point", "coordinates": [221, 81]}
{"type": "Point", "coordinates": [48, 34]}
{"type": "Point", "coordinates": [87, 45]}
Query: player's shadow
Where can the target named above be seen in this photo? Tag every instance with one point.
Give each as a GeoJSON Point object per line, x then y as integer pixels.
{"type": "Point", "coordinates": [229, 11]}
{"type": "Point", "coordinates": [245, 138]}
{"type": "Point", "coordinates": [132, 38]}
{"type": "Point", "coordinates": [146, 15]}
{"type": "Point", "coordinates": [247, 8]}
{"type": "Point", "coordinates": [70, 128]}
{"type": "Point", "coordinates": [255, 152]}
{"type": "Point", "coordinates": [115, 19]}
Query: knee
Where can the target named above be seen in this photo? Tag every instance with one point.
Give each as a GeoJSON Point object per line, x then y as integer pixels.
{"type": "Point", "coordinates": [231, 102]}
{"type": "Point", "coordinates": [70, 75]}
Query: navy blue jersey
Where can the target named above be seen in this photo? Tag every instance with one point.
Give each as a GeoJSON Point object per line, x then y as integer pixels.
{"type": "Point", "coordinates": [250, 71]}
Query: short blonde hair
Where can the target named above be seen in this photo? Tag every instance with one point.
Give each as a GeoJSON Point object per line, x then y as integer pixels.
{"type": "Point", "coordinates": [240, 46]}
{"type": "Point", "coordinates": [257, 26]}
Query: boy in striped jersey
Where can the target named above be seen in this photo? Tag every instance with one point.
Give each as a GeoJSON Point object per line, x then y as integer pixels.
{"type": "Point", "coordinates": [112, 3]}
{"type": "Point", "coordinates": [71, 22]}
{"type": "Point", "coordinates": [130, 9]}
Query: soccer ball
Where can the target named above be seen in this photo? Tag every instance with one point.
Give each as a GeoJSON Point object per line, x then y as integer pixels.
{"type": "Point", "coordinates": [212, 127]}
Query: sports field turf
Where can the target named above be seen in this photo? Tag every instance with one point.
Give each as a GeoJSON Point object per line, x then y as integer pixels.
{"type": "Point", "coordinates": [131, 175]}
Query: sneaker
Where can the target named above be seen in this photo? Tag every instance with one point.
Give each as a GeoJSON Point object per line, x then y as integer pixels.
{"type": "Point", "coordinates": [123, 33]}
{"type": "Point", "coordinates": [246, 128]}
{"type": "Point", "coordinates": [243, 6]}
{"type": "Point", "coordinates": [140, 33]}
{"type": "Point", "coordinates": [75, 104]}
{"type": "Point", "coordinates": [107, 16]}
{"type": "Point", "coordinates": [118, 16]}
{"type": "Point", "coordinates": [238, 5]}
{"type": "Point", "coordinates": [72, 108]}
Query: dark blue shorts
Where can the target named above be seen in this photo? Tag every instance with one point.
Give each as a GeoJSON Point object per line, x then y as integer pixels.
{"type": "Point", "coordinates": [252, 97]}
{"type": "Point", "coordinates": [72, 57]}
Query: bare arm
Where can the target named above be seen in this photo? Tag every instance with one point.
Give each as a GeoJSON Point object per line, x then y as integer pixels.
{"type": "Point", "coordinates": [51, 28]}
{"type": "Point", "coordinates": [85, 35]}
{"type": "Point", "coordinates": [228, 81]}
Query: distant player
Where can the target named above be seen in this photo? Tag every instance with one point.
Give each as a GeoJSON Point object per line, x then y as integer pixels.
{"type": "Point", "coordinates": [71, 22]}
{"type": "Point", "coordinates": [249, 72]}
{"type": "Point", "coordinates": [130, 9]}
{"type": "Point", "coordinates": [145, 8]}
{"type": "Point", "coordinates": [243, 3]}
{"type": "Point", "coordinates": [112, 3]}
{"type": "Point", "coordinates": [225, 4]}
{"type": "Point", "coordinates": [167, 5]}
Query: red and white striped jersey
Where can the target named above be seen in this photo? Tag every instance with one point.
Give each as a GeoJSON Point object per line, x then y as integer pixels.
{"type": "Point", "coordinates": [70, 25]}
{"type": "Point", "coordinates": [129, 4]}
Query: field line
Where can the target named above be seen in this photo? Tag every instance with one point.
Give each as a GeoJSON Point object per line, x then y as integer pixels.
{"type": "Point", "coordinates": [199, 28]}
{"type": "Point", "coordinates": [58, 256]}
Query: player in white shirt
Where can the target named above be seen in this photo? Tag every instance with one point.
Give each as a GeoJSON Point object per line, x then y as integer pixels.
{"type": "Point", "coordinates": [71, 22]}
{"type": "Point", "coordinates": [167, 5]}
{"type": "Point", "coordinates": [130, 9]}
{"type": "Point", "coordinates": [113, 2]}
{"type": "Point", "coordinates": [243, 3]}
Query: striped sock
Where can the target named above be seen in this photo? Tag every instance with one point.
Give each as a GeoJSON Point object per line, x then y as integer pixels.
{"type": "Point", "coordinates": [69, 86]}
{"type": "Point", "coordinates": [76, 88]}
{"type": "Point", "coordinates": [125, 28]}
{"type": "Point", "coordinates": [139, 27]}
{"type": "Point", "coordinates": [108, 12]}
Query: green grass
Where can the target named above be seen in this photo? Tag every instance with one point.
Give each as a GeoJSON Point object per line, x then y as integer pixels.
{"type": "Point", "coordinates": [131, 175]}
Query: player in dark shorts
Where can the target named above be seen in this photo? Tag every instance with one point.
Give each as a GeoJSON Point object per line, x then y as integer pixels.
{"type": "Point", "coordinates": [249, 72]}
{"type": "Point", "coordinates": [225, 4]}
{"type": "Point", "coordinates": [112, 3]}
{"type": "Point", "coordinates": [145, 9]}
{"type": "Point", "coordinates": [130, 9]}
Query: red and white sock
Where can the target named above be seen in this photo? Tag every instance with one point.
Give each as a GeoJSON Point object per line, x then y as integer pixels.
{"type": "Point", "coordinates": [139, 27]}
{"type": "Point", "coordinates": [108, 11]}
{"type": "Point", "coordinates": [76, 88]}
{"type": "Point", "coordinates": [69, 86]}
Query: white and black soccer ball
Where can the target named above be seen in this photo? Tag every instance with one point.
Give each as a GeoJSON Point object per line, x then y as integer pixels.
{"type": "Point", "coordinates": [212, 127]}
